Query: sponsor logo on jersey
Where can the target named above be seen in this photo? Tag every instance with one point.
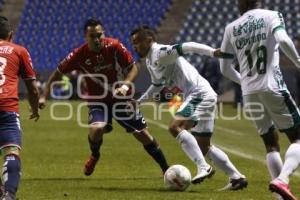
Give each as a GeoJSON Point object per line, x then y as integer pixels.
{"type": "Point", "coordinates": [88, 62]}
{"type": "Point", "coordinates": [6, 49]}
{"type": "Point", "coordinates": [98, 68]}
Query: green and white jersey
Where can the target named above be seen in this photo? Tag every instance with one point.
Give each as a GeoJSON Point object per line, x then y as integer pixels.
{"type": "Point", "coordinates": [168, 68]}
{"type": "Point", "coordinates": [251, 39]}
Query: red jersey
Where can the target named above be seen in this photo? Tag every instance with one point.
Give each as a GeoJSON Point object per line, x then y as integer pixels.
{"type": "Point", "coordinates": [15, 61]}
{"type": "Point", "coordinates": [106, 67]}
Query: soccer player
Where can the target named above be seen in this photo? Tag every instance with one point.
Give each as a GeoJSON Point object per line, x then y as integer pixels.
{"type": "Point", "coordinates": [15, 61]}
{"type": "Point", "coordinates": [255, 39]}
{"type": "Point", "coordinates": [100, 59]}
{"type": "Point", "coordinates": [168, 68]}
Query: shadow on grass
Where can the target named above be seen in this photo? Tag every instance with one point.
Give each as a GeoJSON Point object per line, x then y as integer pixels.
{"type": "Point", "coordinates": [92, 179]}
{"type": "Point", "coordinates": [116, 188]}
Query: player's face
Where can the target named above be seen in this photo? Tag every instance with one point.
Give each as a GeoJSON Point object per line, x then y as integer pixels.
{"type": "Point", "coordinates": [141, 44]}
{"type": "Point", "coordinates": [93, 37]}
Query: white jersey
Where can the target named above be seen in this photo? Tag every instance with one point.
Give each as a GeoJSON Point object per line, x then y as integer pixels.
{"type": "Point", "coordinates": [168, 68]}
{"type": "Point", "coordinates": [251, 39]}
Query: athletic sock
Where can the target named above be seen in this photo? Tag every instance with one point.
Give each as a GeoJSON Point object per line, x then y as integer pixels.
{"type": "Point", "coordinates": [221, 160]}
{"type": "Point", "coordinates": [11, 173]}
{"type": "Point", "coordinates": [190, 146]}
{"type": "Point", "coordinates": [274, 163]}
{"type": "Point", "coordinates": [292, 161]}
{"type": "Point", "coordinates": [95, 147]}
{"type": "Point", "coordinates": [156, 153]}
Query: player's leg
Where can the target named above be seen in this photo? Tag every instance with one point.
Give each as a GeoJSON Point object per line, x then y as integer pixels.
{"type": "Point", "coordinates": [11, 171]}
{"type": "Point", "coordinates": [99, 124]}
{"type": "Point", "coordinates": [259, 113]}
{"type": "Point", "coordinates": [286, 115]}
{"type": "Point", "coordinates": [185, 119]}
{"type": "Point", "coordinates": [203, 132]}
{"type": "Point", "coordinates": [10, 145]}
{"type": "Point", "coordinates": [152, 148]}
{"type": "Point", "coordinates": [136, 124]}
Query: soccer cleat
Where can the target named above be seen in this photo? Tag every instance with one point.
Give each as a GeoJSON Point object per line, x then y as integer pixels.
{"type": "Point", "coordinates": [204, 172]}
{"type": "Point", "coordinates": [282, 189]}
{"type": "Point", "coordinates": [90, 165]}
{"type": "Point", "coordinates": [236, 184]}
{"type": "Point", "coordinates": [8, 196]}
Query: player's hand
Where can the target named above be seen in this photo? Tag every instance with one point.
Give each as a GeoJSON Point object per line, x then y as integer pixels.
{"type": "Point", "coordinates": [34, 115]}
{"type": "Point", "coordinates": [217, 53]}
{"type": "Point", "coordinates": [120, 91]}
{"type": "Point", "coordinates": [42, 102]}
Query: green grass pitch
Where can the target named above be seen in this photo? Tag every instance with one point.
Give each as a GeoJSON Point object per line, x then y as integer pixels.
{"type": "Point", "coordinates": [54, 152]}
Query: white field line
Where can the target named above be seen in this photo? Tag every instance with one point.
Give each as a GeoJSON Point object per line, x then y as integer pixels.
{"type": "Point", "coordinates": [234, 152]}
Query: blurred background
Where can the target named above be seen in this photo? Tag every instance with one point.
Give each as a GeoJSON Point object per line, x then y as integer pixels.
{"type": "Point", "coordinates": [50, 29]}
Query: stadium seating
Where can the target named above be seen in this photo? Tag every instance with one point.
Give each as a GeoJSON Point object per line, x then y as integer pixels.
{"type": "Point", "coordinates": [1, 4]}
{"type": "Point", "coordinates": [205, 22]}
{"type": "Point", "coordinates": [51, 28]}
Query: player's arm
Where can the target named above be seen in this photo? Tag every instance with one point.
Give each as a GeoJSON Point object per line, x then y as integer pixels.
{"type": "Point", "coordinates": [277, 26]}
{"type": "Point", "coordinates": [29, 77]}
{"type": "Point", "coordinates": [153, 89]}
{"type": "Point", "coordinates": [128, 66]}
{"type": "Point", "coordinates": [33, 98]}
{"type": "Point", "coordinates": [287, 46]}
{"type": "Point", "coordinates": [66, 65]}
{"type": "Point", "coordinates": [169, 53]}
{"type": "Point", "coordinates": [226, 66]}
{"type": "Point", "coordinates": [55, 76]}
{"type": "Point", "coordinates": [127, 81]}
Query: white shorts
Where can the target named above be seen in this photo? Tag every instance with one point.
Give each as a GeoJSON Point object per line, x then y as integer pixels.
{"type": "Point", "coordinates": [201, 110]}
{"type": "Point", "coordinates": [269, 108]}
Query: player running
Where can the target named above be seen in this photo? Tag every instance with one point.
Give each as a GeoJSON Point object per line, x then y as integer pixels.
{"type": "Point", "coordinates": [168, 68]}
{"type": "Point", "coordinates": [15, 61]}
{"type": "Point", "coordinates": [254, 38]}
{"type": "Point", "coordinates": [105, 62]}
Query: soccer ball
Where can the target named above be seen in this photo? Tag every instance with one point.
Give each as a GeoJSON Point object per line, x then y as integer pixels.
{"type": "Point", "coordinates": [177, 177]}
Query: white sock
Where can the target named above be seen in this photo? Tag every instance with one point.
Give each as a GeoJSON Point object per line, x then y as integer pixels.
{"type": "Point", "coordinates": [221, 160]}
{"type": "Point", "coordinates": [190, 146]}
{"type": "Point", "coordinates": [292, 161]}
{"type": "Point", "coordinates": [274, 163]}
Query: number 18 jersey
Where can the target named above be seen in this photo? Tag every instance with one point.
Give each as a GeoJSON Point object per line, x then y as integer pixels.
{"type": "Point", "coordinates": [251, 39]}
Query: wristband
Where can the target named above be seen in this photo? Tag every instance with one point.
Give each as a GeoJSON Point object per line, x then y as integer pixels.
{"type": "Point", "coordinates": [125, 87]}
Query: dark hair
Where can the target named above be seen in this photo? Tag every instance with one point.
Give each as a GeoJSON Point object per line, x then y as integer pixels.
{"type": "Point", "coordinates": [5, 27]}
{"type": "Point", "coordinates": [297, 37]}
{"type": "Point", "coordinates": [254, 3]}
{"type": "Point", "coordinates": [144, 31]}
{"type": "Point", "coordinates": [91, 22]}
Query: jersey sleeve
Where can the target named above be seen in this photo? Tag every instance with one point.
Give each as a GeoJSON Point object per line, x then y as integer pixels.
{"type": "Point", "coordinates": [226, 46]}
{"type": "Point", "coordinates": [276, 22]}
{"type": "Point", "coordinates": [226, 61]}
{"type": "Point", "coordinates": [124, 57]}
{"type": "Point", "coordinates": [69, 63]}
{"type": "Point", "coordinates": [26, 68]}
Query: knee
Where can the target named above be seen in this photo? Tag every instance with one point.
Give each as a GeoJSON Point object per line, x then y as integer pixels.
{"type": "Point", "coordinates": [174, 129]}
{"type": "Point", "coordinates": [98, 129]}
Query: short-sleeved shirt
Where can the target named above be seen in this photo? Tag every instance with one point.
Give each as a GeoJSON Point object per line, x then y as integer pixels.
{"type": "Point", "coordinates": [15, 62]}
{"type": "Point", "coordinates": [251, 39]}
{"type": "Point", "coordinates": [113, 62]}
